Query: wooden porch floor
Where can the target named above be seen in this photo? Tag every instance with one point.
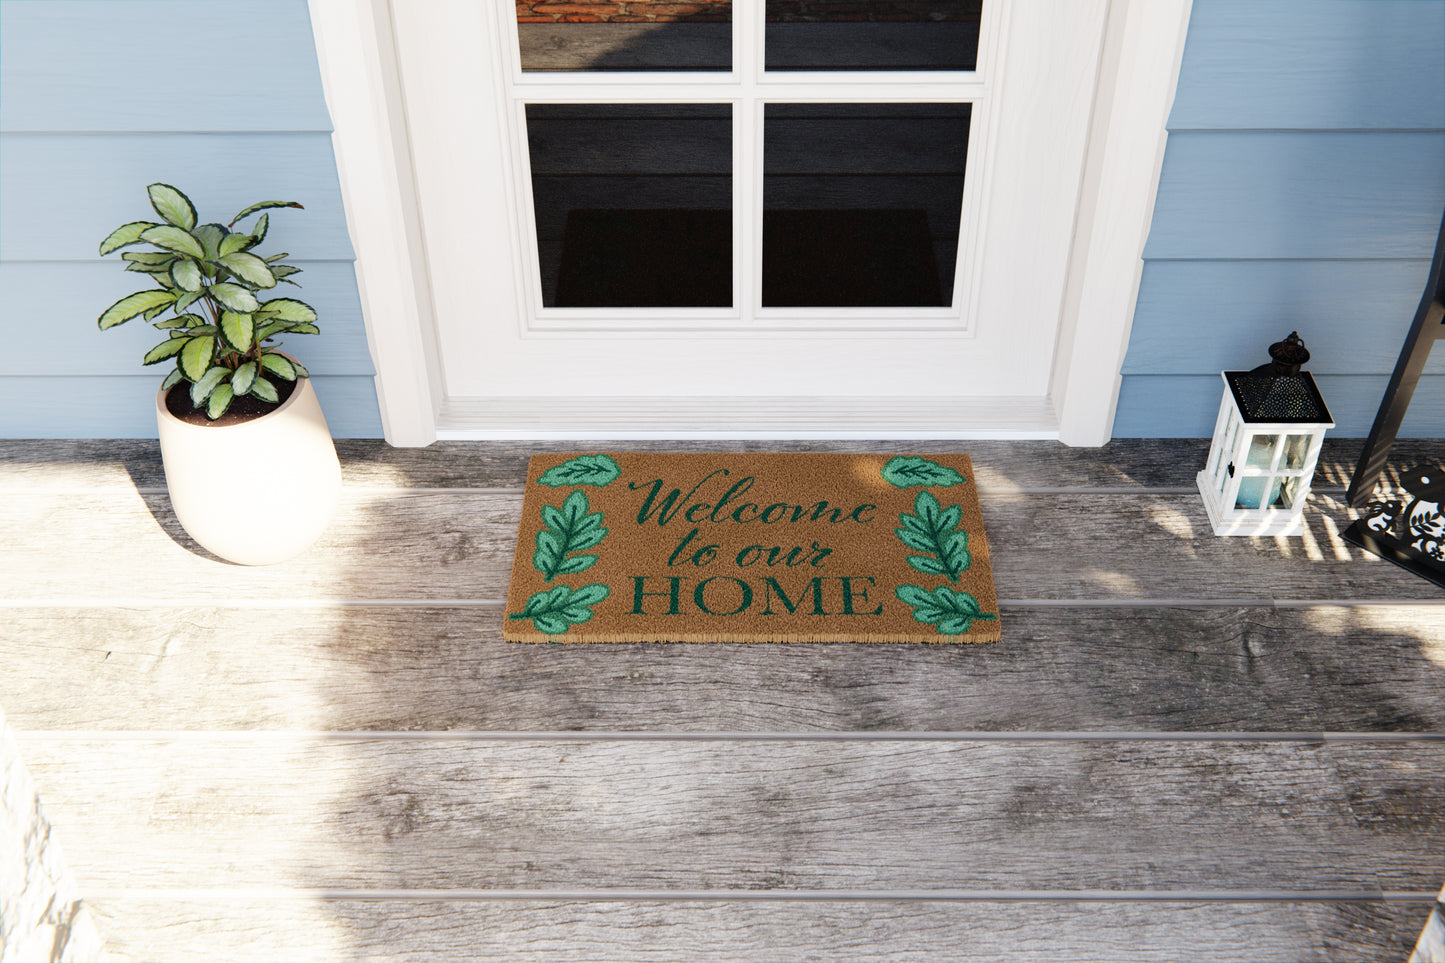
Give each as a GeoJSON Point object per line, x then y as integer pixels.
{"type": "Point", "coordinates": [1184, 747]}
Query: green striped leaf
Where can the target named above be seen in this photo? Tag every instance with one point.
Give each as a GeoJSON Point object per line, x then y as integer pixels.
{"type": "Point", "coordinates": [289, 309]}
{"type": "Point", "coordinates": [188, 299]}
{"type": "Point", "coordinates": [175, 239]}
{"type": "Point", "coordinates": [172, 205]}
{"type": "Point", "coordinates": [125, 235]}
{"type": "Point", "coordinates": [211, 236]}
{"type": "Point", "coordinates": [196, 356]}
{"type": "Point", "coordinates": [172, 379]}
{"type": "Point", "coordinates": [278, 366]}
{"type": "Point", "coordinates": [150, 262]}
{"type": "Point", "coordinates": [219, 401]}
{"type": "Point", "coordinates": [164, 350]}
{"type": "Point", "coordinates": [187, 275]}
{"type": "Point", "coordinates": [134, 304]}
{"type": "Point", "coordinates": [264, 205]}
{"type": "Point", "coordinates": [233, 297]}
{"type": "Point", "coordinates": [207, 383]}
{"type": "Point", "coordinates": [265, 390]}
{"type": "Point", "coordinates": [282, 271]}
{"type": "Point", "coordinates": [232, 243]}
{"type": "Point", "coordinates": [237, 329]}
{"type": "Point", "coordinates": [300, 371]}
{"type": "Point", "coordinates": [249, 268]}
{"type": "Point", "coordinates": [244, 377]}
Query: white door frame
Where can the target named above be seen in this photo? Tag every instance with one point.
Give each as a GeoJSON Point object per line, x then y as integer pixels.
{"type": "Point", "coordinates": [1143, 45]}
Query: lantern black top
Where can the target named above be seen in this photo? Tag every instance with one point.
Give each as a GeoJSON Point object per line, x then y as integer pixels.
{"type": "Point", "coordinates": [1279, 391]}
{"type": "Point", "coordinates": [1289, 355]}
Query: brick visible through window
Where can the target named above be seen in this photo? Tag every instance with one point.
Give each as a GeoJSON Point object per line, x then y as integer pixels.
{"type": "Point", "coordinates": [720, 11]}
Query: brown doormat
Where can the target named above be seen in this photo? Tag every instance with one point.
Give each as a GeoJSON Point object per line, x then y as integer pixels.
{"type": "Point", "coordinates": [639, 547]}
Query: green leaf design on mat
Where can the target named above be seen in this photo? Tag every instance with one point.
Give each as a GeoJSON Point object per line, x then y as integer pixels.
{"type": "Point", "coordinates": [907, 471]}
{"type": "Point", "coordinates": [949, 611]}
{"type": "Point", "coordinates": [555, 611]}
{"type": "Point", "coordinates": [598, 470]}
{"type": "Point", "coordinates": [934, 529]}
{"type": "Point", "coordinates": [569, 529]}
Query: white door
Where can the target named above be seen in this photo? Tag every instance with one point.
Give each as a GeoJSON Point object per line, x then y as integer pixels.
{"type": "Point", "coordinates": [756, 220]}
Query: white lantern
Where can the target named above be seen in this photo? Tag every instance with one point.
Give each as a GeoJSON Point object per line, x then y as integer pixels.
{"type": "Point", "coordinates": [1267, 440]}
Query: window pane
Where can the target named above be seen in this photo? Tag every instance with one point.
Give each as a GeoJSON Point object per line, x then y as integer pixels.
{"type": "Point", "coordinates": [1282, 492]}
{"type": "Point", "coordinates": [861, 203]}
{"type": "Point", "coordinates": [1261, 452]}
{"type": "Point", "coordinates": [872, 34]}
{"type": "Point", "coordinates": [1296, 448]}
{"type": "Point", "coordinates": [630, 35]}
{"type": "Point", "coordinates": [633, 203]}
{"type": "Point", "coordinates": [1251, 492]}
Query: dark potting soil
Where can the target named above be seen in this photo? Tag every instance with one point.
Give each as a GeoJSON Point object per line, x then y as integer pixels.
{"type": "Point", "coordinates": [243, 408]}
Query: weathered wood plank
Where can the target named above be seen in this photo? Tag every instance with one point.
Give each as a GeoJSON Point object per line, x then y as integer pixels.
{"type": "Point", "coordinates": [458, 545]}
{"type": "Point", "coordinates": [1064, 669]}
{"type": "Point", "coordinates": [625, 46]}
{"type": "Point", "coordinates": [853, 143]}
{"type": "Point", "coordinates": [1398, 797]}
{"type": "Point", "coordinates": [1126, 464]}
{"type": "Point", "coordinates": [636, 932]}
{"type": "Point", "coordinates": [874, 816]}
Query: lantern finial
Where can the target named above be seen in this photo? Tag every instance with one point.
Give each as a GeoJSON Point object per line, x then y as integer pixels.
{"type": "Point", "coordinates": [1289, 355]}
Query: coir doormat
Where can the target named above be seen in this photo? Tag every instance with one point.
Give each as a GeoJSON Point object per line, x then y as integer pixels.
{"type": "Point", "coordinates": [639, 547]}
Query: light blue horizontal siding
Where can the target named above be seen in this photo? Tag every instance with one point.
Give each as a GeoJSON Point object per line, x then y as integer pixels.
{"type": "Point", "coordinates": [1185, 406]}
{"type": "Point", "coordinates": [1202, 317]}
{"type": "Point", "coordinates": [1342, 64]}
{"type": "Point", "coordinates": [124, 407]}
{"type": "Point", "coordinates": [1302, 190]}
{"type": "Point", "coordinates": [99, 98]}
{"type": "Point", "coordinates": [158, 65]}
{"type": "Point", "coordinates": [62, 194]}
{"type": "Point", "coordinates": [1234, 194]}
{"type": "Point", "coordinates": [69, 296]}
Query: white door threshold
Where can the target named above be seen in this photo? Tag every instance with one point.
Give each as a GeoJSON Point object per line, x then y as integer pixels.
{"type": "Point", "coordinates": [685, 418]}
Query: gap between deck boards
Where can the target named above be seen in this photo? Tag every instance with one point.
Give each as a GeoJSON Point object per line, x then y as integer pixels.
{"type": "Point", "coordinates": [569, 735]}
{"type": "Point", "coordinates": [266, 894]}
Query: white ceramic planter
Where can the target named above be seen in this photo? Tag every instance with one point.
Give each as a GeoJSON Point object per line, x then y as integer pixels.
{"type": "Point", "coordinates": [255, 493]}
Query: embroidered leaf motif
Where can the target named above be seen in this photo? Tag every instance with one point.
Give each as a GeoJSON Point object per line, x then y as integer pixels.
{"type": "Point", "coordinates": [598, 470]}
{"type": "Point", "coordinates": [569, 529]}
{"type": "Point", "coordinates": [555, 611]}
{"type": "Point", "coordinates": [906, 471]}
{"type": "Point", "coordinates": [949, 611]}
{"type": "Point", "coordinates": [933, 529]}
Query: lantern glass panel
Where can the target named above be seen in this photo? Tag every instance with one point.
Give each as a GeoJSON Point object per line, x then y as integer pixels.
{"type": "Point", "coordinates": [1261, 451]}
{"type": "Point", "coordinates": [1251, 492]}
{"type": "Point", "coordinates": [1296, 449]}
{"type": "Point", "coordinates": [1283, 492]}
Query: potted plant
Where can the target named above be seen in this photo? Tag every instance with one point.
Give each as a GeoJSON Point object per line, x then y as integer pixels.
{"type": "Point", "coordinates": [236, 416]}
